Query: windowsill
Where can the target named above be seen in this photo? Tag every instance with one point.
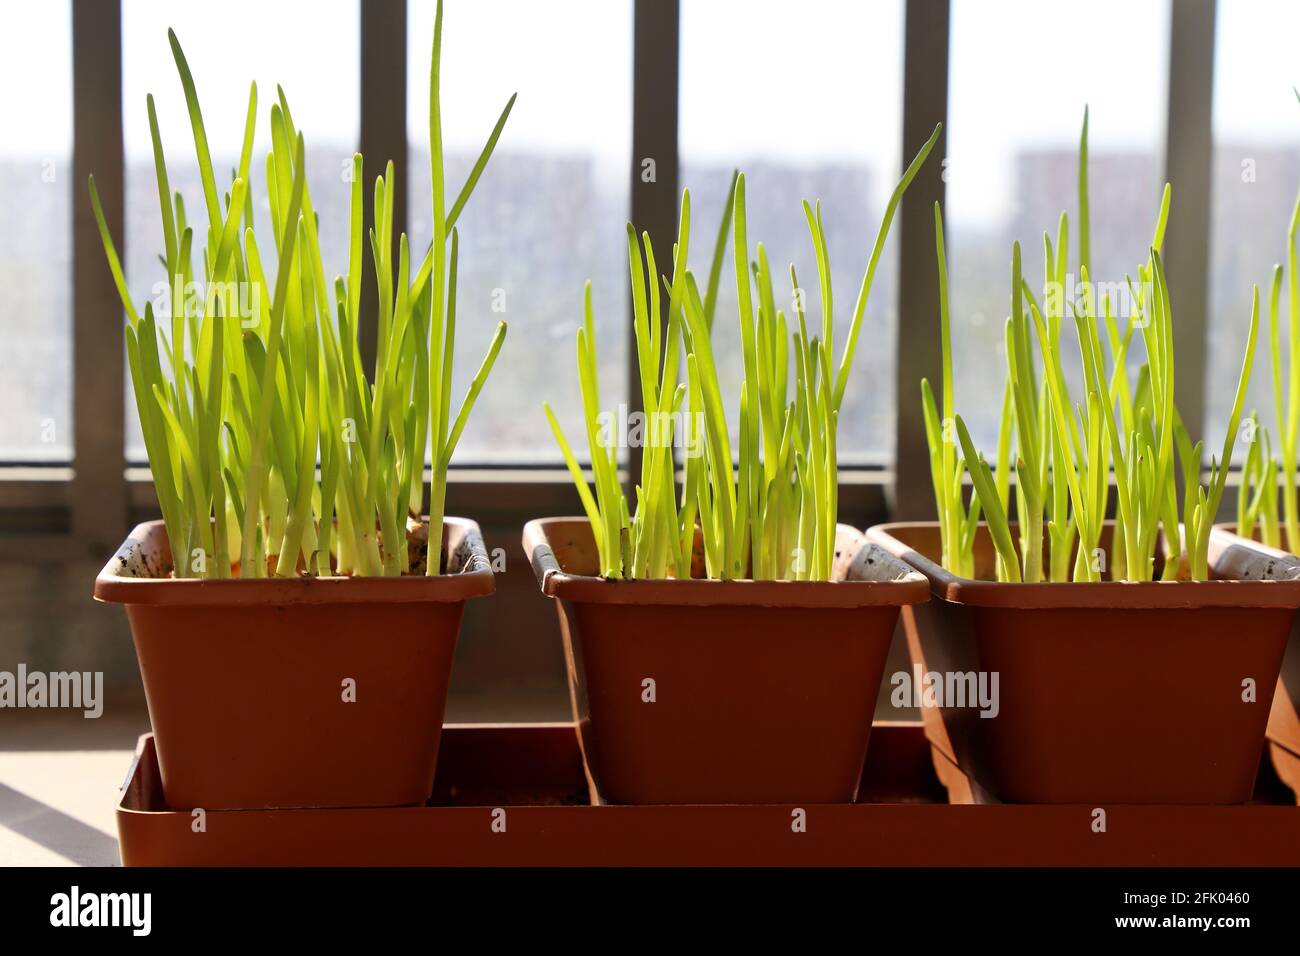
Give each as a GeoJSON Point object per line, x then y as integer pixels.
{"type": "Point", "coordinates": [36, 503]}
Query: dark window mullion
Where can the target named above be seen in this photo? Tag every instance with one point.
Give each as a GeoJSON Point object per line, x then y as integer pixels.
{"type": "Point", "coordinates": [655, 55]}
{"type": "Point", "coordinates": [383, 136]}
{"type": "Point", "coordinates": [925, 103]}
{"type": "Point", "coordinates": [99, 399]}
{"type": "Point", "coordinates": [1188, 159]}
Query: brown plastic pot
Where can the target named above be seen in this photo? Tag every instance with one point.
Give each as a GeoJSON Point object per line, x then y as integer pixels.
{"type": "Point", "coordinates": [1284, 718]}
{"type": "Point", "coordinates": [1108, 692]}
{"type": "Point", "coordinates": [245, 679]}
{"type": "Point", "coordinates": [763, 691]}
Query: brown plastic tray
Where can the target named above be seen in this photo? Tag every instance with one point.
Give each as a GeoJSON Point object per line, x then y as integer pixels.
{"type": "Point", "coordinates": [531, 777]}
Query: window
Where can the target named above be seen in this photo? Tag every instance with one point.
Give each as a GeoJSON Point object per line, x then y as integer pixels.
{"type": "Point", "coordinates": [36, 241]}
{"type": "Point", "coordinates": [809, 104]}
{"type": "Point", "coordinates": [1018, 85]}
{"type": "Point", "coordinates": [548, 214]}
{"type": "Point", "coordinates": [320, 73]}
{"type": "Point", "coordinates": [808, 107]}
{"type": "Point", "coordinates": [1256, 174]}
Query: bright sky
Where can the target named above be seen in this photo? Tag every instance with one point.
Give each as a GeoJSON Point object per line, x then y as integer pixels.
{"type": "Point", "coordinates": [1258, 67]}
{"type": "Point", "coordinates": [570, 61]}
{"type": "Point", "coordinates": [1022, 72]}
{"type": "Point", "coordinates": [801, 82]}
{"type": "Point", "coordinates": [319, 72]}
{"type": "Point", "coordinates": [36, 76]}
{"type": "Point", "coordinates": [809, 82]}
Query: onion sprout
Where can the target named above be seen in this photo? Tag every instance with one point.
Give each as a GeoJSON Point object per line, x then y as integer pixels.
{"type": "Point", "coordinates": [1066, 454]}
{"type": "Point", "coordinates": [1257, 498]}
{"type": "Point", "coordinates": [272, 452]}
{"type": "Point", "coordinates": [769, 510]}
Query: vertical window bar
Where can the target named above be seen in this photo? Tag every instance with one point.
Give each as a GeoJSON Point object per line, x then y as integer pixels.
{"type": "Point", "coordinates": [925, 103]}
{"type": "Point", "coordinates": [99, 503]}
{"type": "Point", "coordinates": [383, 136]}
{"type": "Point", "coordinates": [1188, 157]}
{"type": "Point", "coordinates": [655, 188]}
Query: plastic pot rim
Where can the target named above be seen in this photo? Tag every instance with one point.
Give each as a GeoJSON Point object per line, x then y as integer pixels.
{"type": "Point", "coordinates": [906, 586]}
{"type": "Point", "coordinates": [116, 584]}
{"type": "Point", "coordinates": [1230, 590]}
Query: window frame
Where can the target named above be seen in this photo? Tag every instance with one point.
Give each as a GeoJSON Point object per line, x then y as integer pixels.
{"type": "Point", "coordinates": [83, 507]}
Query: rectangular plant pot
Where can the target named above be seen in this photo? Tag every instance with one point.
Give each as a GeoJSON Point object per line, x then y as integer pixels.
{"type": "Point", "coordinates": [1108, 692]}
{"type": "Point", "coordinates": [1245, 555]}
{"type": "Point", "coordinates": [295, 692]}
{"type": "Point", "coordinates": [698, 691]}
